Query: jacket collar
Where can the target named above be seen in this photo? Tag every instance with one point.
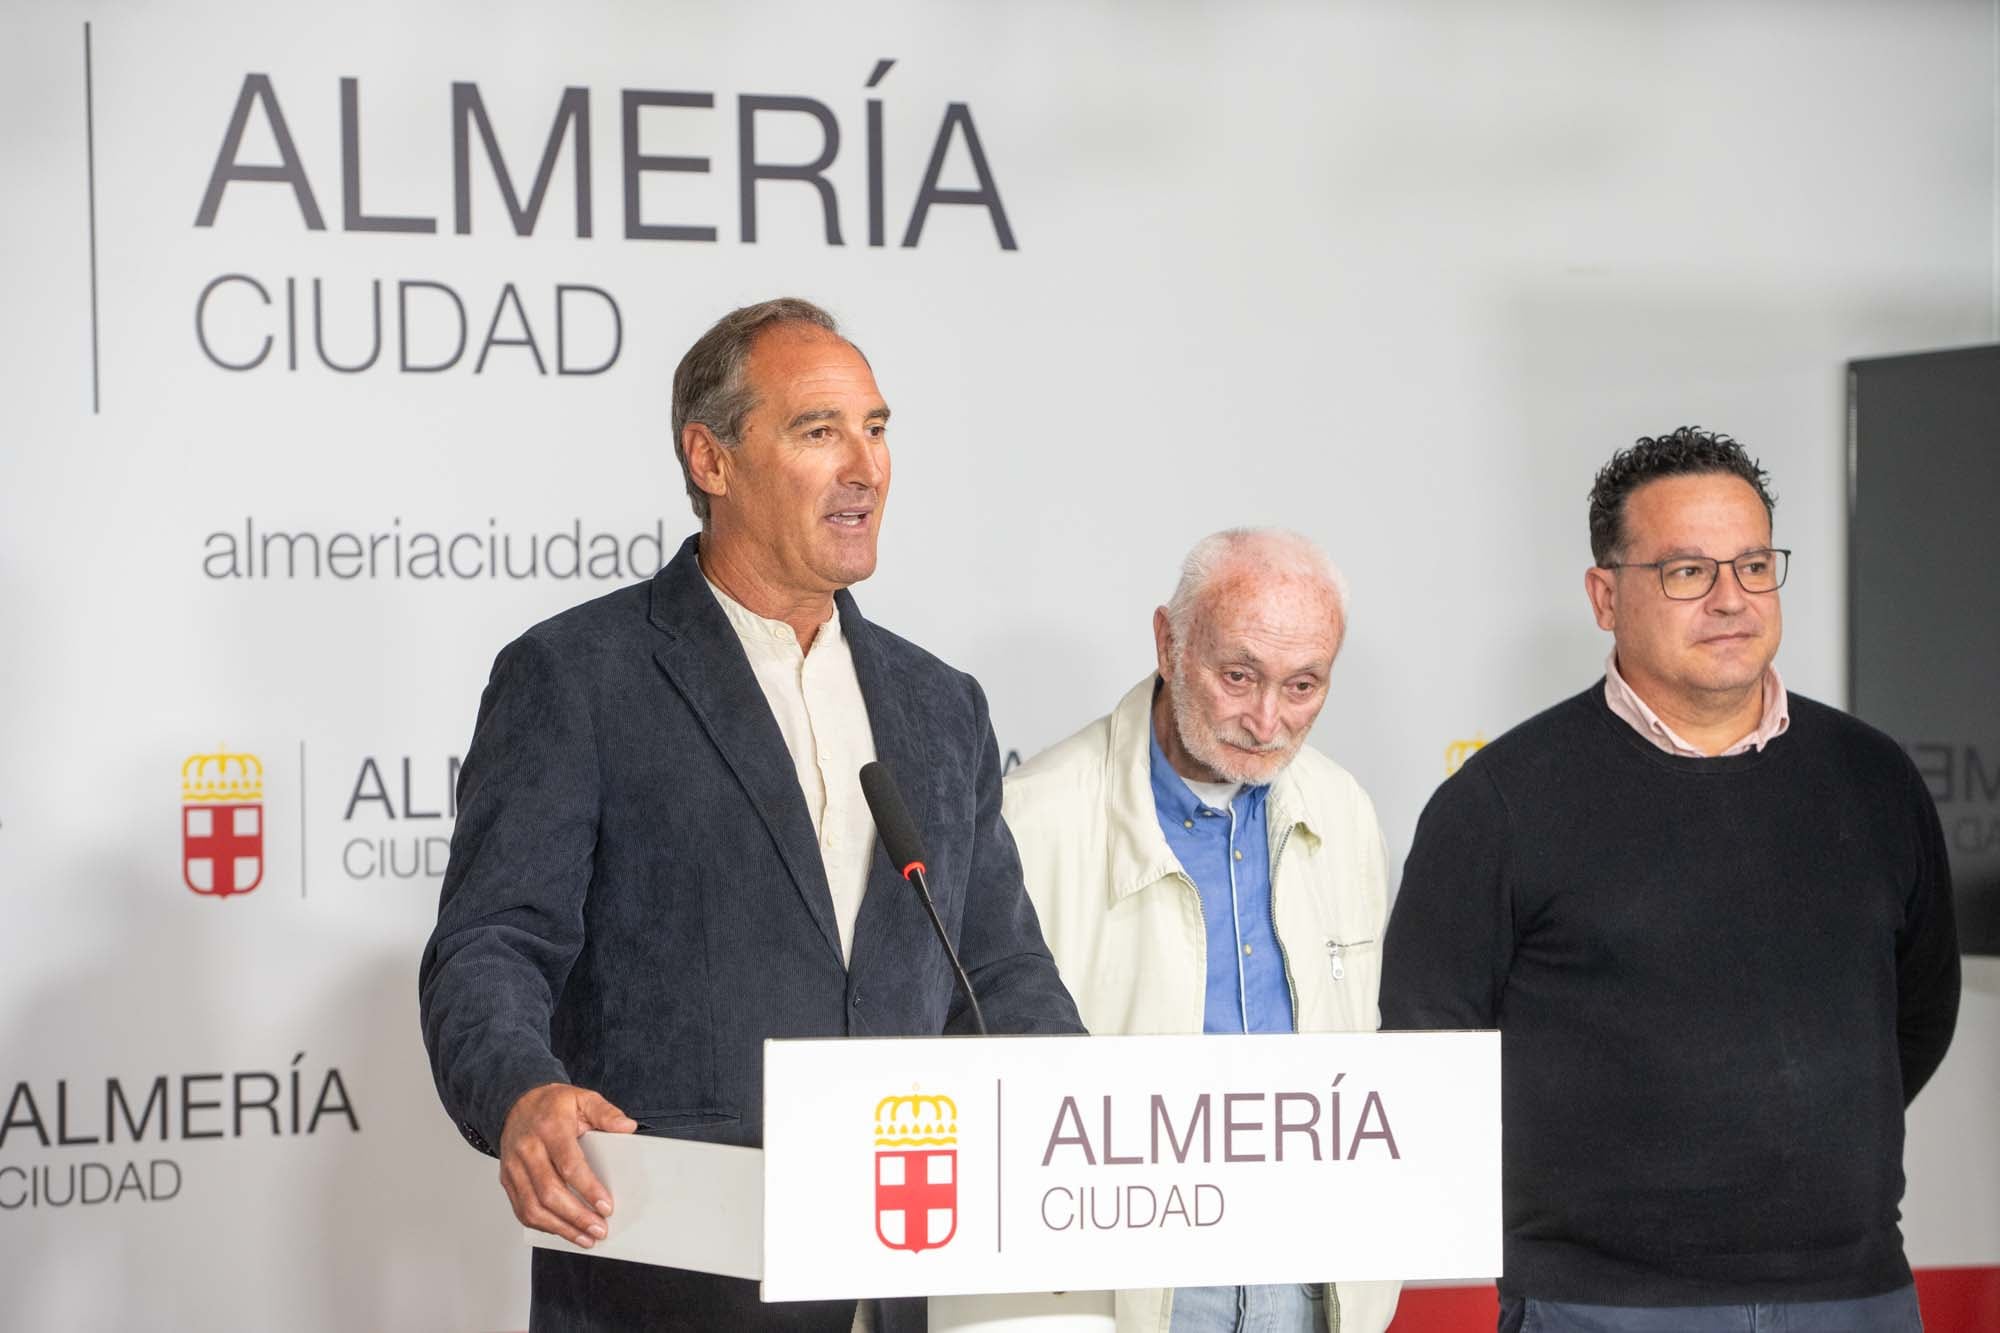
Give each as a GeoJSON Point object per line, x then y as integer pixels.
{"type": "Point", "coordinates": [700, 653]}
{"type": "Point", "coordinates": [897, 724]}
{"type": "Point", "coordinates": [1137, 852]}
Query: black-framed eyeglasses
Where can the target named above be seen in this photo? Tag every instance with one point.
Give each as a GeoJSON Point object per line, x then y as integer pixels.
{"type": "Point", "coordinates": [1688, 578]}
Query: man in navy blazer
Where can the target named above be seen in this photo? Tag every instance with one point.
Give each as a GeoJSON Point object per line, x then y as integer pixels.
{"type": "Point", "coordinates": [652, 870]}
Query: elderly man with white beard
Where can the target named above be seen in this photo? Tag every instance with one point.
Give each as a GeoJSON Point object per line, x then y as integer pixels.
{"type": "Point", "coordinates": [1198, 868]}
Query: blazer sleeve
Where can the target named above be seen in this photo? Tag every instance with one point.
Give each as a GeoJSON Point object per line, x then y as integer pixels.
{"type": "Point", "coordinates": [510, 914]}
{"type": "Point", "coordinates": [1000, 938]}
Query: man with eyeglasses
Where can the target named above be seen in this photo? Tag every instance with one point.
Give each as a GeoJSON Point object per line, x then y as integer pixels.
{"type": "Point", "coordinates": [1713, 922]}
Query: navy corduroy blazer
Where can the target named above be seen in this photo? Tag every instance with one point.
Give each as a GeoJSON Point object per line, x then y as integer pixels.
{"type": "Point", "coordinates": [635, 901]}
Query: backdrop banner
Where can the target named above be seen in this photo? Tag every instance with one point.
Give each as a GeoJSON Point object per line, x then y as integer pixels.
{"type": "Point", "coordinates": [337, 352]}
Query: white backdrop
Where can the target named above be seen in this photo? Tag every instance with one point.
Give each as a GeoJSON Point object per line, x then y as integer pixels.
{"type": "Point", "coordinates": [1400, 276]}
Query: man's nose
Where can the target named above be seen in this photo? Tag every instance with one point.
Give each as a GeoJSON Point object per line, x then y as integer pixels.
{"type": "Point", "coordinates": [1727, 595]}
{"type": "Point", "coordinates": [866, 461]}
{"type": "Point", "coordinates": [1262, 719]}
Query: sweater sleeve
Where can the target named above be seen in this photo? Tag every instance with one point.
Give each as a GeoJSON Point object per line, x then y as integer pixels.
{"type": "Point", "coordinates": [1927, 966]}
{"type": "Point", "coordinates": [1450, 941]}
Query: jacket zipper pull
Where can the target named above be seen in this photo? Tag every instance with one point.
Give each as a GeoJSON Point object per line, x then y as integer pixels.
{"type": "Point", "coordinates": [1333, 952]}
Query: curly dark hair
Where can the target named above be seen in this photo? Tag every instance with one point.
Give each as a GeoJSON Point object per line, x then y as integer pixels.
{"type": "Point", "coordinates": [1689, 451]}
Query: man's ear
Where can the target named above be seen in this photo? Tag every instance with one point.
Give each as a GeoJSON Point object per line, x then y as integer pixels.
{"type": "Point", "coordinates": [705, 455]}
{"type": "Point", "coordinates": [1163, 642]}
{"type": "Point", "coordinates": [1601, 587]}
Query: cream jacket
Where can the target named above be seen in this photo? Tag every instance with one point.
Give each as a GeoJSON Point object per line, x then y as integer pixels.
{"type": "Point", "coordinates": [1124, 921]}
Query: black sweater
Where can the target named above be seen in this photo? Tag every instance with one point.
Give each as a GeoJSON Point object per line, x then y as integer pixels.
{"type": "Point", "coordinates": [1718, 983]}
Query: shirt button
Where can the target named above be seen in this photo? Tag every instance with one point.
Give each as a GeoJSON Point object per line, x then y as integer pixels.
{"type": "Point", "coordinates": [1187, 823]}
{"type": "Point", "coordinates": [1239, 856]}
{"type": "Point", "coordinates": [1246, 948]}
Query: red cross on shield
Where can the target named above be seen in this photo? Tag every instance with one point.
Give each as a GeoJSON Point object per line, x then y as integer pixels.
{"type": "Point", "coordinates": [222, 848]}
{"type": "Point", "coordinates": [916, 1198]}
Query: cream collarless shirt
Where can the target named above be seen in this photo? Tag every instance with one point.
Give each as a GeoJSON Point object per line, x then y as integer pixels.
{"type": "Point", "coordinates": [816, 698]}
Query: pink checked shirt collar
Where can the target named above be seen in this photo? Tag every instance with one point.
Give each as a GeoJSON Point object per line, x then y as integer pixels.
{"type": "Point", "coordinates": [1626, 703]}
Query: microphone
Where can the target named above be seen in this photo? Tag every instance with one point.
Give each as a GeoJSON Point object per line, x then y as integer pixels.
{"type": "Point", "coordinates": [906, 852]}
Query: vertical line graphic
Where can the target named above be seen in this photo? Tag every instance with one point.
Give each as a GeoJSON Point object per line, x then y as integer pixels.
{"type": "Point", "coordinates": [90, 177]}
{"type": "Point", "coordinates": [302, 819]}
{"type": "Point", "coordinates": [999, 1158]}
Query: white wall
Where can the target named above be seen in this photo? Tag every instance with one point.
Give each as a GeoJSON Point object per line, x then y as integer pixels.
{"type": "Point", "coordinates": [1400, 276]}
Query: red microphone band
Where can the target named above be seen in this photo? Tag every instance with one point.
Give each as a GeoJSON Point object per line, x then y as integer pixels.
{"type": "Point", "coordinates": [915, 866]}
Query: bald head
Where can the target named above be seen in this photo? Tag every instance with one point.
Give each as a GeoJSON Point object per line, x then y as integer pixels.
{"type": "Point", "coordinates": [1253, 560]}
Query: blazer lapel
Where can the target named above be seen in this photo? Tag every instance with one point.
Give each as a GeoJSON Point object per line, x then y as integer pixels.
{"type": "Point", "coordinates": [701, 656]}
{"type": "Point", "coordinates": [895, 721]}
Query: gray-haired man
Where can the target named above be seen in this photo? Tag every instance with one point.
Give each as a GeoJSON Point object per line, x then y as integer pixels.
{"type": "Point", "coordinates": [1157, 838]}
{"type": "Point", "coordinates": [663, 856]}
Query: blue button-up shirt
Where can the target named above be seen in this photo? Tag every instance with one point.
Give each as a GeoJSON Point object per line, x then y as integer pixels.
{"type": "Point", "coordinates": [1227, 855]}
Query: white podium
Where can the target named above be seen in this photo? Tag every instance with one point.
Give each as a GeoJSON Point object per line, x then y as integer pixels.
{"type": "Point", "coordinates": [951, 1167]}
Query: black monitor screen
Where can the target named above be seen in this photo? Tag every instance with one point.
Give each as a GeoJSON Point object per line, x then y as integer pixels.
{"type": "Point", "coordinates": [1924, 594]}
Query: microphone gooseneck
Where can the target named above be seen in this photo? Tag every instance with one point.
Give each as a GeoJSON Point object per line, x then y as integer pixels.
{"type": "Point", "coordinates": [906, 853]}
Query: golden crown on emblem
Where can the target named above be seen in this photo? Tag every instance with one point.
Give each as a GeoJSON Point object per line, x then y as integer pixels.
{"type": "Point", "coordinates": [222, 776]}
{"type": "Point", "coordinates": [918, 1120]}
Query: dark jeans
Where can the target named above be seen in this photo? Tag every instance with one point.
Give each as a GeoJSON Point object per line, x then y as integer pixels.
{"type": "Point", "coordinates": [1894, 1312]}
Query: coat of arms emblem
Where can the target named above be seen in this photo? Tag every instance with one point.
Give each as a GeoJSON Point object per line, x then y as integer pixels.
{"type": "Point", "coordinates": [916, 1171]}
{"type": "Point", "coordinates": [222, 823]}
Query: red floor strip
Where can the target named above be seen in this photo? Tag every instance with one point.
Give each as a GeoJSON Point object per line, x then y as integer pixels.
{"type": "Point", "coordinates": [1446, 1310]}
{"type": "Point", "coordinates": [1960, 1300]}
{"type": "Point", "coordinates": [1955, 1300]}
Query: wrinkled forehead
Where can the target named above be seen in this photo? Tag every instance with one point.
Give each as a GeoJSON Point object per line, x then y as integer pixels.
{"type": "Point", "coordinates": [1274, 615]}
{"type": "Point", "coordinates": [804, 359]}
